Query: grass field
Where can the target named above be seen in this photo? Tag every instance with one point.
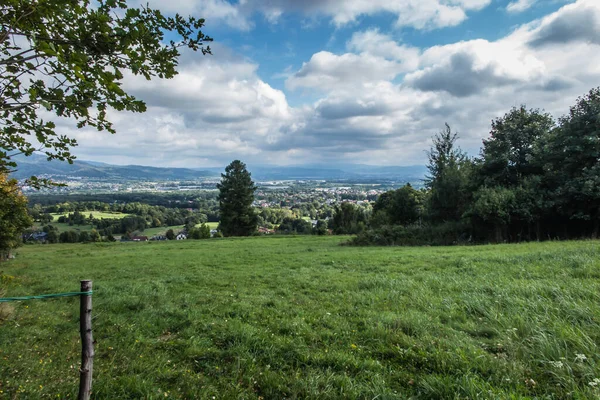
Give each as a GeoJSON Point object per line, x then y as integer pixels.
{"type": "Point", "coordinates": [163, 229]}
{"type": "Point", "coordinates": [62, 227]}
{"type": "Point", "coordinates": [305, 318]}
{"type": "Point", "coordinates": [96, 214]}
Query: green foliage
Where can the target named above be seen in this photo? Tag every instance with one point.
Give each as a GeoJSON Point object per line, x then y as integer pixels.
{"type": "Point", "coordinates": [448, 179]}
{"type": "Point", "coordinates": [443, 234]}
{"type": "Point", "coordinates": [321, 227]}
{"type": "Point", "coordinates": [295, 226]}
{"type": "Point", "coordinates": [494, 206]}
{"type": "Point", "coordinates": [170, 235]}
{"type": "Point", "coordinates": [399, 207]}
{"type": "Point", "coordinates": [572, 159]}
{"type": "Point", "coordinates": [236, 195]}
{"type": "Point", "coordinates": [508, 156]}
{"type": "Point", "coordinates": [348, 219]}
{"type": "Point", "coordinates": [14, 218]}
{"type": "Point", "coordinates": [532, 181]}
{"type": "Point", "coordinates": [201, 232]}
{"type": "Point", "coordinates": [69, 57]}
{"type": "Point", "coordinates": [304, 318]}
{"type": "Point", "coordinates": [68, 237]}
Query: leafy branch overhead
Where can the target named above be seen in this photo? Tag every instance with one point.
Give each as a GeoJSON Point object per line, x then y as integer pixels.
{"type": "Point", "coordinates": [68, 58]}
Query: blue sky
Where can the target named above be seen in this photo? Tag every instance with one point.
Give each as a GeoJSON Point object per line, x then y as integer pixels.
{"type": "Point", "coordinates": [295, 37]}
{"type": "Point", "coordinates": [353, 81]}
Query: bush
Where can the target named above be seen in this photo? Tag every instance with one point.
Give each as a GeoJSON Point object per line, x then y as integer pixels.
{"type": "Point", "coordinates": [444, 234]}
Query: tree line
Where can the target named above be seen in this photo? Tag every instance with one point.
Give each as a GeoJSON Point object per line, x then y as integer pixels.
{"type": "Point", "coordinates": [534, 179]}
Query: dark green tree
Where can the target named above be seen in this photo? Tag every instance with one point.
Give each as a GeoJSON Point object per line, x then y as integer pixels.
{"type": "Point", "coordinates": [69, 58]}
{"type": "Point", "coordinates": [84, 236]}
{"type": "Point", "coordinates": [493, 206]}
{"type": "Point", "coordinates": [448, 179]}
{"type": "Point", "coordinates": [403, 206]}
{"type": "Point", "coordinates": [348, 219]}
{"type": "Point", "coordinates": [236, 195]}
{"type": "Point", "coordinates": [170, 235]}
{"type": "Point", "coordinates": [572, 161]}
{"type": "Point", "coordinates": [69, 237]}
{"type": "Point", "coordinates": [295, 226]}
{"type": "Point", "coordinates": [508, 155]}
{"type": "Point", "coordinates": [201, 232]}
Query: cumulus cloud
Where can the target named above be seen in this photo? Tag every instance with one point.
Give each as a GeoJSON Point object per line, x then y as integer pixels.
{"type": "Point", "coordinates": [377, 44]}
{"type": "Point", "coordinates": [579, 22]}
{"type": "Point", "coordinates": [468, 68]}
{"type": "Point", "coordinates": [327, 71]}
{"type": "Point", "coordinates": [379, 101]}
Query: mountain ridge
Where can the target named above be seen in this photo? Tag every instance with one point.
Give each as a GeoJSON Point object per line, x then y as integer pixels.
{"type": "Point", "coordinates": [82, 169]}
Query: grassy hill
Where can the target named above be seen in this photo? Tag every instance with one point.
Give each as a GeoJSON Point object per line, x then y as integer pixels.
{"type": "Point", "coordinates": [302, 317]}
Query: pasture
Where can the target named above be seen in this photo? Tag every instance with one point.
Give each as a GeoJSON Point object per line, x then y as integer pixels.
{"type": "Point", "coordinates": [305, 318]}
{"type": "Point", "coordinates": [95, 214]}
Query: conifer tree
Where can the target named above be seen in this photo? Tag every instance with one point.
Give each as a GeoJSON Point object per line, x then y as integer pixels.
{"type": "Point", "coordinates": [235, 201]}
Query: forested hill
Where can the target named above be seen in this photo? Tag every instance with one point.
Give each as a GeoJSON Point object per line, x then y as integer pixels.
{"type": "Point", "coordinates": [38, 165]}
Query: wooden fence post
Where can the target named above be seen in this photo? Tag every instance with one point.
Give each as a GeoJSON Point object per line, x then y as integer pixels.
{"type": "Point", "coordinates": [87, 342]}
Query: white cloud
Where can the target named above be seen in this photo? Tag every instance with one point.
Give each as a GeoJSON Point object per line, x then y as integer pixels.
{"type": "Point", "coordinates": [380, 45]}
{"type": "Point", "coordinates": [379, 102]}
{"type": "Point", "coordinates": [519, 6]}
{"type": "Point", "coordinates": [327, 71]}
{"type": "Point", "coordinates": [420, 14]}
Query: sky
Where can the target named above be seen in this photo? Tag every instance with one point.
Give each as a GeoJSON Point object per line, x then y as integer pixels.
{"type": "Point", "coordinates": [351, 81]}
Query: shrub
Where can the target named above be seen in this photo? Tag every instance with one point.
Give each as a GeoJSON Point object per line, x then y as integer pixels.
{"type": "Point", "coordinates": [444, 234]}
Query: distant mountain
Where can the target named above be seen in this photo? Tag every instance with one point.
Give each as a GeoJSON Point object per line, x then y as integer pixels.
{"type": "Point", "coordinates": [342, 171]}
{"type": "Point", "coordinates": [39, 166]}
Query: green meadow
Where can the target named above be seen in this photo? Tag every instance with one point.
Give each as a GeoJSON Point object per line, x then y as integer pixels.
{"type": "Point", "coordinates": [306, 318]}
{"type": "Point", "coordinates": [95, 214]}
{"type": "Point", "coordinates": [62, 227]}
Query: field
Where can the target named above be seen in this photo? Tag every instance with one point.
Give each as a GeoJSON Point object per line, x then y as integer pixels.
{"type": "Point", "coordinates": [305, 318]}
{"type": "Point", "coordinates": [96, 214]}
{"type": "Point", "coordinates": [163, 229]}
{"type": "Point", "coordinates": [62, 227]}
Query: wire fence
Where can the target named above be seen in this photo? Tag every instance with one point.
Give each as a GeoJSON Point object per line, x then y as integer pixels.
{"type": "Point", "coordinates": [85, 325]}
{"type": "Point", "coordinates": [45, 296]}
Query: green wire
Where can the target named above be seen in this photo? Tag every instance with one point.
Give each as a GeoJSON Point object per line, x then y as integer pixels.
{"type": "Point", "coordinates": [45, 296]}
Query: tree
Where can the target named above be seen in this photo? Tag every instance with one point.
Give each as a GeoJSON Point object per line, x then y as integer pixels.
{"type": "Point", "coordinates": [94, 236]}
{"type": "Point", "coordinates": [84, 236]}
{"type": "Point", "coordinates": [572, 162]}
{"type": "Point", "coordinates": [236, 195]}
{"type": "Point", "coordinates": [201, 232]}
{"type": "Point", "coordinates": [69, 57]}
{"type": "Point", "coordinates": [448, 179]}
{"type": "Point", "coordinates": [348, 219]}
{"type": "Point", "coordinates": [170, 235]}
{"type": "Point", "coordinates": [295, 226]}
{"type": "Point", "coordinates": [402, 206]}
{"type": "Point", "coordinates": [69, 237]}
{"type": "Point", "coordinates": [508, 155]}
{"type": "Point", "coordinates": [14, 218]}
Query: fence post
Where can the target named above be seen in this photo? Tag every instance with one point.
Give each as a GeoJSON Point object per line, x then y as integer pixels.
{"type": "Point", "coordinates": [87, 342]}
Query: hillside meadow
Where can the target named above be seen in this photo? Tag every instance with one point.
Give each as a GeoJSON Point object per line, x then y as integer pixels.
{"type": "Point", "coordinates": [306, 318]}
